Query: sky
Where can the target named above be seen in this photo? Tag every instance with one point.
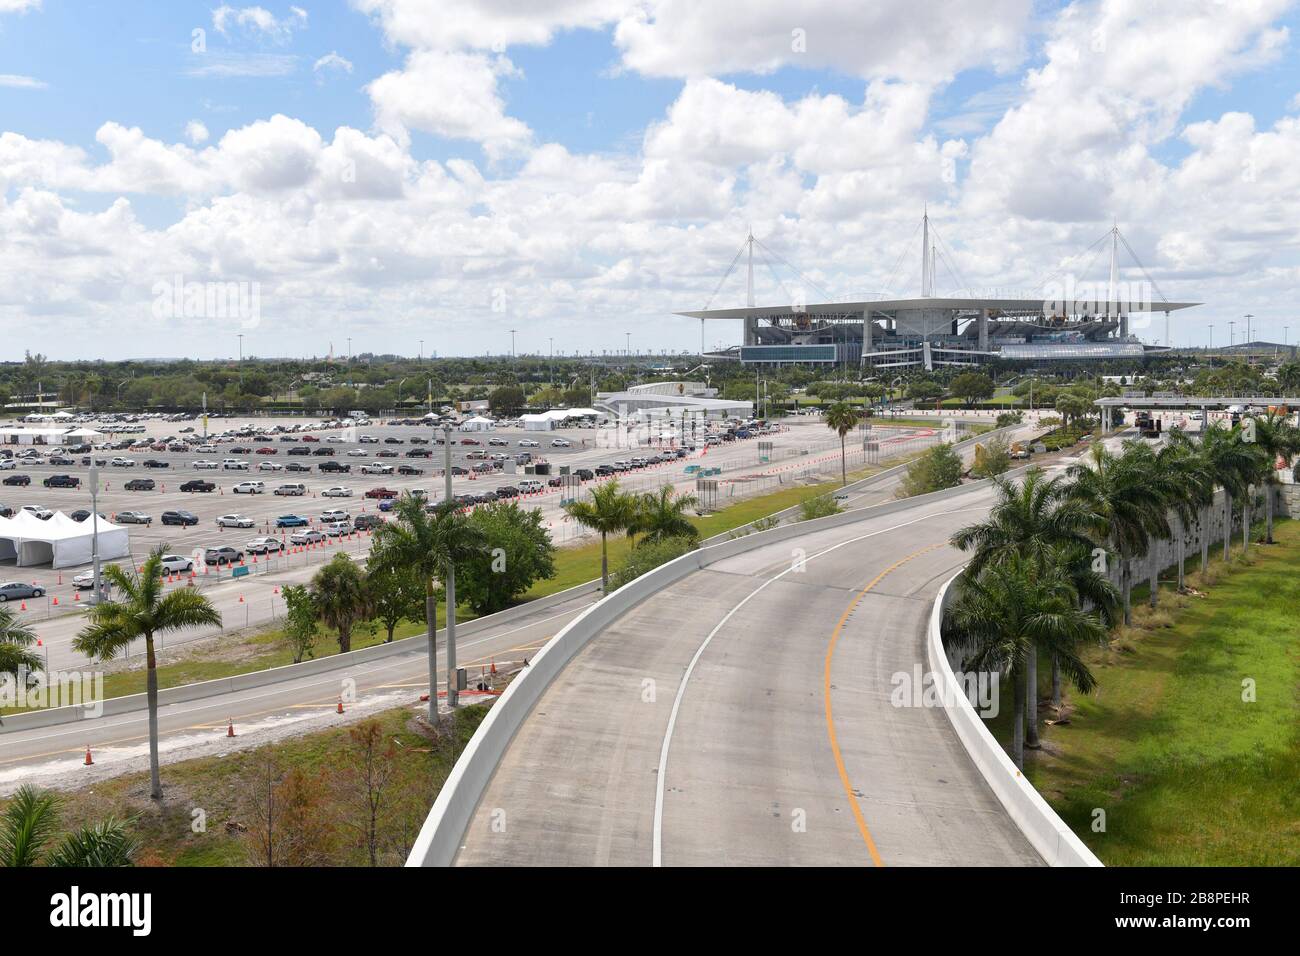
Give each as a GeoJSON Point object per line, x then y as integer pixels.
{"type": "Point", "coordinates": [407, 176]}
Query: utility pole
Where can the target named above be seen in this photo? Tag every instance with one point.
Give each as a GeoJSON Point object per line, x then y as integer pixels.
{"type": "Point", "coordinates": [512, 344]}
{"type": "Point", "coordinates": [552, 341]}
{"type": "Point", "coordinates": [1232, 332]}
{"type": "Point", "coordinates": [94, 529]}
{"type": "Point", "coordinates": [1248, 316]}
{"type": "Point", "coordinates": [421, 350]}
{"type": "Point", "coordinates": [629, 345]}
{"type": "Point", "coordinates": [450, 587]}
{"type": "Point", "coordinates": [1211, 336]}
{"type": "Point", "coordinates": [240, 336]}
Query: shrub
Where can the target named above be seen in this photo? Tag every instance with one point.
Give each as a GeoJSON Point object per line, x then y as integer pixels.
{"type": "Point", "coordinates": [818, 506]}
{"type": "Point", "coordinates": [935, 470]}
{"type": "Point", "coordinates": [646, 556]}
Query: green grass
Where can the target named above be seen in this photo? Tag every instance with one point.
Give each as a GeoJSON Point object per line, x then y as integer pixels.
{"type": "Point", "coordinates": [1186, 771]}
{"type": "Point", "coordinates": [222, 788]}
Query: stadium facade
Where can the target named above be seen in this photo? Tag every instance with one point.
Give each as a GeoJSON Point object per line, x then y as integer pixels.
{"type": "Point", "coordinates": [1070, 322]}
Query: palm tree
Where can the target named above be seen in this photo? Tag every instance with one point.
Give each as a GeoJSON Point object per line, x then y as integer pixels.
{"type": "Point", "coordinates": [1197, 497]}
{"type": "Point", "coordinates": [842, 418]}
{"type": "Point", "coordinates": [108, 843]}
{"type": "Point", "coordinates": [28, 823]}
{"type": "Point", "coordinates": [1181, 480]}
{"type": "Point", "coordinates": [662, 515]}
{"type": "Point", "coordinates": [1277, 439]}
{"type": "Point", "coordinates": [340, 597]}
{"type": "Point", "coordinates": [1231, 463]}
{"type": "Point", "coordinates": [1094, 592]}
{"type": "Point", "coordinates": [609, 511]}
{"type": "Point", "coordinates": [15, 639]}
{"type": "Point", "coordinates": [1012, 612]}
{"type": "Point", "coordinates": [143, 611]}
{"type": "Point", "coordinates": [1125, 503]}
{"type": "Point", "coordinates": [1033, 520]}
{"type": "Point", "coordinates": [431, 543]}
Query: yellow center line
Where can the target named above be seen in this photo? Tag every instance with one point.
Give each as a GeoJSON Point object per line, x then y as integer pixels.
{"type": "Point", "coordinates": [830, 720]}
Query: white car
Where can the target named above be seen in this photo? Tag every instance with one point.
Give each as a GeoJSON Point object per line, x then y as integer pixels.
{"type": "Point", "coordinates": [207, 464]}
{"type": "Point", "coordinates": [561, 443]}
{"type": "Point", "coordinates": [249, 488]}
{"type": "Point", "coordinates": [234, 464]}
{"type": "Point", "coordinates": [206, 449]}
{"type": "Point", "coordinates": [358, 453]}
{"type": "Point", "coordinates": [334, 439]}
{"type": "Point", "coordinates": [338, 491]}
{"type": "Point", "coordinates": [270, 466]}
{"type": "Point", "coordinates": [174, 564]}
{"type": "Point", "coordinates": [334, 514]}
{"type": "Point", "coordinates": [529, 443]}
{"type": "Point", "coordinates": [118, 461]}
{"type": "Point", "coordinates": [7, 464]}
{"type": "Point", "coordinates": [336, 528]}
{"type": "Point", "coordinates": [234, 521]}
{"type": "Point", "coordinates": [368, 440]}
{"type": "Point", "coordinates": [265, 545]}
{"type": "Point", "coordinates": [376, 468]}
{"type": "Point", "coordinates": [43, 513]}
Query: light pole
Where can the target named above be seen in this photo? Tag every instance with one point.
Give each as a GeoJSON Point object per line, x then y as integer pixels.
{"type": "Point", "coordinates": [94, 528]}
{"type": "Point", "coordinates": [1232, 332]}
{"type": "Point", "coordinates": [450, 586]}
{"type": "Point", "coordinates": [512, 344]}
{"type": "Point", "coordinates": [240, 336]}
{"type": "Point", "coordinates": [552, 341]}
{"type": "Point", "coordinates": [421, 350]}
{"type": "Point", "coordinates": [1211, 336]}
{"type": "Point", "coordinates": [1248, 316]}
{"type": "Point", "coordinates": [629, 345]}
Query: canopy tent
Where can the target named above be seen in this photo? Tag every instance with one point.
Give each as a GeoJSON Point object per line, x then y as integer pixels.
{"type": "Point", "coordinates": [59, 542]}
{"type": "Point", "coordinates": [478, 424]}
{"type": "Point", "coordinates": [84, 433]}
{"type": "Point", "coordinates": [545, 421]}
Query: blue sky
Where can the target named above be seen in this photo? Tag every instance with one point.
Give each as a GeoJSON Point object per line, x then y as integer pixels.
{"type": "Point", "coordinates": [669, 139]}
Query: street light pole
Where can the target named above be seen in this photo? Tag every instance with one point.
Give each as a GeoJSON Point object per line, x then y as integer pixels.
{"type": "Point", "coordinates": [450, 584]}
{"type": "Point", "coordinates": [94, 528]}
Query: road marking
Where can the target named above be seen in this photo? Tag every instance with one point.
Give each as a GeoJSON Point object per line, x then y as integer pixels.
{"type": "Point", "coordinates": [662, 775]}
{"type": "Point", "coordinates": [826, 693]}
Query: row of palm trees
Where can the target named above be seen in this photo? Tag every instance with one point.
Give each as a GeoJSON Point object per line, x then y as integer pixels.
{"type": "Point", "coordinates": [655, 515]}
{"type": "Point", "coordinates": [1038, 582]}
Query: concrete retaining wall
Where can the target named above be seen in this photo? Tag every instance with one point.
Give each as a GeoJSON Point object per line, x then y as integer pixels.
{"type": "Point", "coordinates": [1046, 832]}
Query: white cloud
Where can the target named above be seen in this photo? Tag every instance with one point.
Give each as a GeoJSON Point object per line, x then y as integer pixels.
{"type": "Point", "coordinates": [17, 82]}
{"type": "Point", "coordinates": [259, 22]}
{"type": "Point", "coordinates": [196, 132]}
{"type": "Point", "coordinates": [228, 64]}
{"type": "Point", "coordinates": [332, 61]}
{"type": "Point", "coordinates": [19, 6]}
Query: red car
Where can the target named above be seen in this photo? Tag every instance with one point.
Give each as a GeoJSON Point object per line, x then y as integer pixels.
{"type": "Point", "coordinates": [470, 441]}
{"type": "Point", "coordinates": [382, 493]}
{"type": "Point", "coordinates": [310, 438]}
{"type": "Point", "coordinates": [267, 450]}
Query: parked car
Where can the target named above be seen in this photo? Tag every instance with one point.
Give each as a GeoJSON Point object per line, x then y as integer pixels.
{"type": "Point", "coordinates": [66, 481]}
{"type": "Point", "coordinates": [81, 514]}
{"type": "Point", "coordinates": [19, 590]}
{"type": "Point", "coordinates": [182, 518]}
{"type": "Point", "coordinates": [529, 443]}
{"type": "Point", "coordinates": [338, 491]}
{"type": "Point", "coordinates": [334, 467]}
{"type": "Point", "coordinates": [204, 464]}
{"type": "Point", "coordinates": [222, 555]}
{"type": "Point", "coordinates": [198, 485]}
{"type": "Point", "coordinates": [176, 564]}
{"type": "Point", "coordinates": [234, 464]}
{"type": "Point", "coordinates": [297, 466]}
{"type": "Point", "coordinates": [152, 463]}
{"type": "Point", "coordinates": [18, 480]}
{"type": "Point", "coordinates": [409, 470]}
{"type": "Point", "coordinates": [382, 492]}
{"type": "Point", "coordinates": [249, 488]}
{"type": "Point", "coordinates": [268, 450]}
{"type": "Point", "coordinates": [119, 462]}
{"type": "Point", "coordinates": [234, 521]}
{"type": "Point", "coordinates": [291, 521]}
{"type": "Point", "coordinates": [62, 461]}
{"type": "Point", "coordinates": [266, 545]}
{"type": "Point", "coordinates": [40, 511]}
{"type": "Point", "coordinates": [139, 484]}
{"type": "Point", "coordinates": [134, 517]}
{"type": "Point", "coordinates": [561, 443]}
{"type": "Point", "coordinates": [376, 468]}
{"type": "Point", "coordinates": [294, 489]}
{"type": "Point", "coordinates": [366, 522]}
{"type": "Point", "coordinates": [311, 536]}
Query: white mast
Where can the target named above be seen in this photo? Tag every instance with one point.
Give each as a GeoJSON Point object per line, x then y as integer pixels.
{"type": "Point", "coordinates": [925, 252]}
{"type": "Point", "coordinates": [749, 288]}
{"type": "Point", "coordinates": [1112, 307]}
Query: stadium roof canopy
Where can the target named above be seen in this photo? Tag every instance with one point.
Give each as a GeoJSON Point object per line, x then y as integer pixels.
{"type": "Point", "coordinates": [918, 303]}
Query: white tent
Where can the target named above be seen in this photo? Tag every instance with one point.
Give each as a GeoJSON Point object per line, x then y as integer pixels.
{"type": "Point", "coordinates": [59, 542]}
{"type": "Point", "coordinates": [478, 424]}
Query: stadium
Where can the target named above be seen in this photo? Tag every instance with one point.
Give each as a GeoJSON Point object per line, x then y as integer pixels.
{"type": "Point", "coordinates": [1068, 322]}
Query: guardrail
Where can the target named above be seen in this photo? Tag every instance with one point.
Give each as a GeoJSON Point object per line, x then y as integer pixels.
{"type": "Point", "coordinates": [29, 720]}
{"type": "Point", "coordinates": [1055, 842]}
{"type": "Point", "coordinates": [443, 831]}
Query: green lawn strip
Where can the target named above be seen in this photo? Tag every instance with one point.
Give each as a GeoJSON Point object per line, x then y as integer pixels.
{"type": "Point", "coordinates": [220, 787]}
{"type": "Point", "coordinates": [1188, 773]}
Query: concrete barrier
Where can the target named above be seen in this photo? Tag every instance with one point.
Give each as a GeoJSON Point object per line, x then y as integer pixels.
{"type": "Point", "coordinates": [273, 675]}
{"type": "Point", "coordinates": [1055, 842]}
{"type": "Point", "coordinates": [445, 827]}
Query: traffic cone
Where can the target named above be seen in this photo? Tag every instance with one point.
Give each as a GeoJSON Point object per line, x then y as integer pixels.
{"type": "Point", "coordinates": [230, 727]}
{"type": "Point", "coordinates": [24, 607]}
{"type": "Point", "coordinates": [89, 762]}
{"type": "Point", "coordinates": [241, 599]}
{"type": "Point", "coordinates": [76, 596]}
{"type": "Point", "coordinates": [56, 602]}
{"type": "Point", "coordinates": [340, 709]}
{"type": "Point", "coordinates": [494, 666]}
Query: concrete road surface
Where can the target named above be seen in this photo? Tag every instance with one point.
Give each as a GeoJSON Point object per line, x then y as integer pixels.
{"type": "Point", "coordinates": [744, 717]}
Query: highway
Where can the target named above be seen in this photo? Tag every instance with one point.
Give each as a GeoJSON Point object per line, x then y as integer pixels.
{"type": "Point", "coordinates": [744, 717]}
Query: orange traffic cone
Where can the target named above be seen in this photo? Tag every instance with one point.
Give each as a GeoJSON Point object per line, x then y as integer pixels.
{"type": "Point", "coordinates": [230, 727]}
{"type": "Point", "coordinates": [340, 710]}
{"type": "Point", "coordinates": [56, 602]}
{"type": "Point", "coordinates": [494, 666]}
{"type": "Point", "coordinates": [24, 607]}
{"type": "Point", "coordinates": [89, 762]}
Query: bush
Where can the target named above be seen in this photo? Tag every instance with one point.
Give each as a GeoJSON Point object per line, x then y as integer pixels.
{"type": "Point", "coordinates": [517, 552]}
{"type": "Point", "coordinates": [819, 506]}
{"type": "Point", "coordinates": [935, 470]}
{"type": "Point", "coordinates": [646, 556]}
{"type": "Point", "coordinates": [1010, 418]}
{"type": "Point", "coordinates": [991, 459]}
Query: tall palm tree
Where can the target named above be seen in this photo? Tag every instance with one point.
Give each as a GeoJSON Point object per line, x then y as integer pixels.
{"type": "Point", "coordinates": [28, 823]}
{"type": "Point", "coordinates": [842, 418]}
{"type": "Point", "coordinates": [1094, 593]}
{"type": "Point", "coordinates": [143, 611]}
{"type": "Point", "coordinates": [662, 514]}
{"type": "Point", "coordinates": [1231, 463]}
{"type": "Point", "coordinates": [1012, 612]}
{"type": "Point", "coordinates": [1035, 520]}
{"type": "Point", "coordinates": [431, 543]}
{"type": "Point", "coordinates": [15, 639]}
{"type": "Point", "coordinates": [1197, 498]}
{"type": "Point", "coordinates": [340, 597]}
{"type": "Point", "coordinates": [1277, 440]}
{"type": "Point", "coordinates": [609, 511]}
{"type": "Point", "coordinates": [1125, 502]}
{"type": "Point", "coordinates": [1180, 476]}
